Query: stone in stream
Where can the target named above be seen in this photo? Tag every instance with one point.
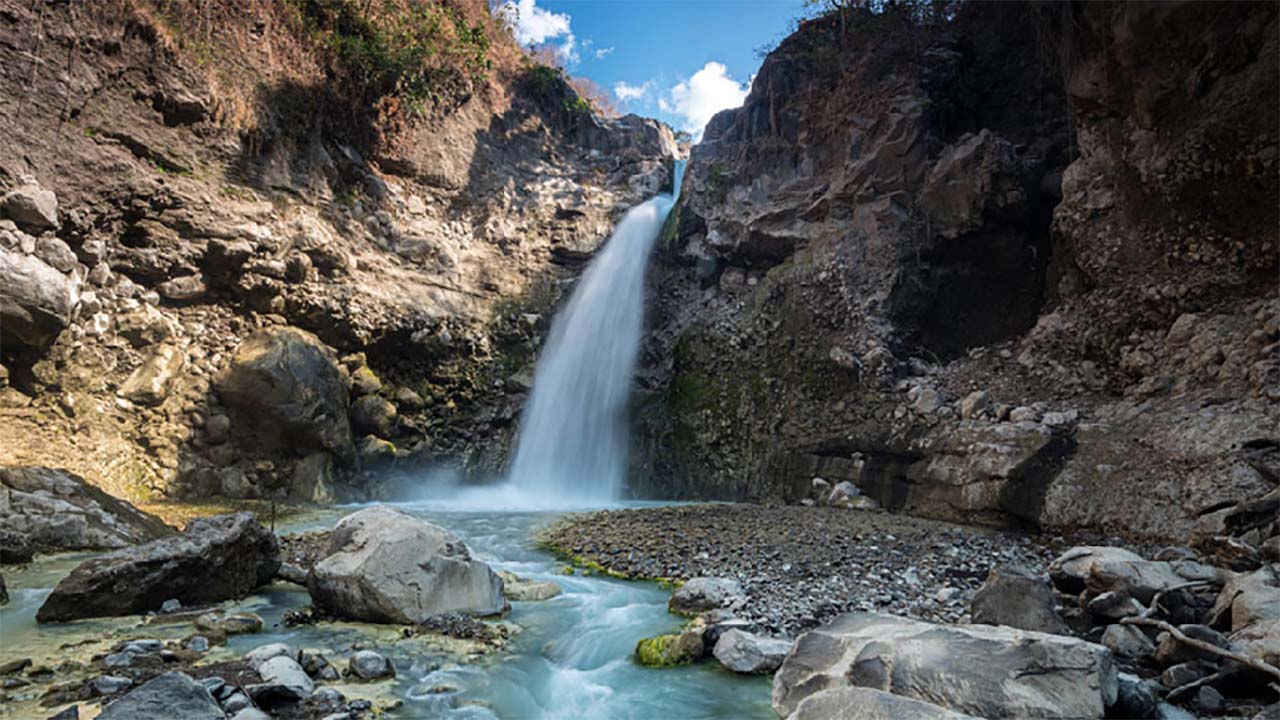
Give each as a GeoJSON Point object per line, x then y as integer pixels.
{"type": "Point", "coordinates": [682, 648]}
{"type": "Point", "coordinates": [50, 509]}
{"type": "Point", "coordinates": [218, 558]}
{"type": "Point", "coordinates": [1018, 598]}
{"type": "Point", "coordinates": [171, 696]}
{"type": "Point", "coordinates": [858, 703]}
{"type": "Point", "coordinates": [976, 669]}
{"type": "Point", "coordinates": [519, 589]}
{"type": "Point", "coordinates": [384, 565]}
{"type": "Point", "coordinates": [704, 593]}
{"type": "Point", "coordinates": [743, 652]}
{"type": "Point", "coordinates": [284, 682]}
{"type": "Point", "coordinates": [233, 624]}
{"type": "Point", "coordinates": [369, 665]}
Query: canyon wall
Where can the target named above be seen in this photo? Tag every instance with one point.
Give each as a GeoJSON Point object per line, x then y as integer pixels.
{"type": "Point", "coordinates": [248, 252]}
{"type": "Point", "coordinates": [1016, 265]}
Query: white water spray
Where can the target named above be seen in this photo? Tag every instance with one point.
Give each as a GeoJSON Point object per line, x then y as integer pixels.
{"type": "Point", "coordinates": [572, 447]}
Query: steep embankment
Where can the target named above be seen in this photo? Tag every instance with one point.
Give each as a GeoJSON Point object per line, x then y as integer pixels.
{"type": "Point", "coordinates": [394, 180]}
{"type": "Point", "coordinates": [1017, 267]}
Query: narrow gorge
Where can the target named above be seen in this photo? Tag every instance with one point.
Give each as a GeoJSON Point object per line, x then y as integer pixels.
{"type": "Point", "coordinates": [369, 358]}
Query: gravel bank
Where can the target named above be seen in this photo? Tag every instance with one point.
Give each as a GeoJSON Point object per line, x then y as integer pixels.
{"type": "Point", "coordinates": [802, 566]}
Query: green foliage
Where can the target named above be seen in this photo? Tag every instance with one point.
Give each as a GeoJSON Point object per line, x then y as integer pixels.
{"type": "Point", "coordinates": [576, 106]}
{"type": "Point", "coordinates": [423, 51]}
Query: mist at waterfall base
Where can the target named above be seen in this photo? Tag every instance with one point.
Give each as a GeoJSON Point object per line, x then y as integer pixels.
{"type": "Point", "coordinates": [571, 451]}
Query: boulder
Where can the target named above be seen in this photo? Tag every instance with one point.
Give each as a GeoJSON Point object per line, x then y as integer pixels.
{"type": "Point", "coordinates": [285, 384]}
{"type": "Point", "coordinates": [1172, 651]}
{"type": "Point", "coordinates": [1248, 598]}
{"type": "Point", "coordinates": [215, 559]}
{"type": "Point", "coordinates": [704, 593]}
{"type": "Point", "coordinates": [384, 565]}
{"type": "Point", "coordinates": [519, 589]}
{"type": "Point", "coordinates": [1127, 641]}
{"type": "Point", "coordinates": [54, 510]}
{"type": "Point", "coordinates": [859, 703]}
{"type": "Point", "coordinates": [259, 655]}
{"type": "Point", "coordinates": [976, 669]}
{"type": "Point", "coordinates": [284, 682]}
{"type": "Point", "coordinates": [56, 254]}
{"type": "Point", "coordinates": [1136, 698]}
{"type": "Point", "coordinates": [1019, 598]}
{"type": "Point", "coordinates": [1109, 569]}
{"type": "Point", "coordinates": [373, 415]}
{"type": "Point", "coordinates": [171, 696]}
{"type": "Point", "coordinates": [843, 495]}
{"type": "Point", "coordinates": [743, 652]}
{"type": "Point", "coordinates": [369, 665]}
{"type": "Point", "coordinates": [36, 301]}
{"type": "Point", "coordinates": [680, 648]}
{"type": "Point", "coordinates": [31, 207]}
{"type": "Point", "coordinates": [149, 384]}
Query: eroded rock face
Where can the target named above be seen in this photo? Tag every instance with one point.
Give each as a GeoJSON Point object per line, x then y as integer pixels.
{"type": "Point", "coordinates": [286, 385]}
{"type": "Point", "coordinates": [55, 510]}
{"type": "Point", "coordinates": [844, 240]}
{"type": "Point", "coordinates": [976, 669]}
{"type": "Point", "coordinates": [214, 559]}
{"type": "Point", "coordinates": [384, 565]}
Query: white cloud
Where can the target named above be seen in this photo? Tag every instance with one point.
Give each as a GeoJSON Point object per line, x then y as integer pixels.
{"type": "Point", "coordinates": [602, 53]}
{"type": "Point", "coordinates": [627, 93]}
{"type": "Point", "coordinates": [533, 25]}
{"type": "Point", "coordinates": [706, 93]}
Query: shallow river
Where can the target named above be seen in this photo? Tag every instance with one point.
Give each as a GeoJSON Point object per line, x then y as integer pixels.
{"type": "Point", "coordinates": [572, 658]}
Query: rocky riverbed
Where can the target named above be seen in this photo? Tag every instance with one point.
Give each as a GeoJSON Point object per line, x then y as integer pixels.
{"type": "Point", "coordinates": [800, 566]}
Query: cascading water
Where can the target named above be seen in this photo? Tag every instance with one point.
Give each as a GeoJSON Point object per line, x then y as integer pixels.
{"type": "Point", "coordinates": [572, 446]}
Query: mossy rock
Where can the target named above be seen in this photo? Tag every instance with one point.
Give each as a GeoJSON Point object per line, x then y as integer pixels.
{"type": "Point", "coordinates": [680, 648]}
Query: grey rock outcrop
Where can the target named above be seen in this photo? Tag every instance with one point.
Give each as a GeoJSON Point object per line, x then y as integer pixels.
{"type": "Point", "coordinates": [171, 696]}
{"type": "Point", "coordinates": [384, 565]}
{"type": "Point", "coordinates": [977, 669]}
{"type": "Point", "coordinates": [56, 510]}
{"type": "Point", "coordinates": [214, 559]}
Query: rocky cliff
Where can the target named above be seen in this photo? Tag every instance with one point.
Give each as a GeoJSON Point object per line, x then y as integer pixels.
{"type": "Point", "coordinates": [1016, 265]}
{"type": "Point", "coordinates": [254, 250]}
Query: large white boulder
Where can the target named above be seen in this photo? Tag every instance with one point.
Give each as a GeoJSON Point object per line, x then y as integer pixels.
{"type": "Point", "coordinates": [384, 565]}
{"type": "Point", "coordinates": [994, 672]}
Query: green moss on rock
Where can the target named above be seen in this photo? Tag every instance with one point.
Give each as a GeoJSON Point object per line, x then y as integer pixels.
{"type": "Point", "coordinates": [670, 650]}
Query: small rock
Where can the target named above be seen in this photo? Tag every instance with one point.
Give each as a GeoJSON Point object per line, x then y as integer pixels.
{"type": "Point", "coordinates": [1017, 597]}
{"type": "Point", "coordinates": [1210, 701]}
{"type": "Point", "coordinates": [238, 624]}
{"type": "Point", "coordinates": [704, 593]}
{"type": "Point", "coordinates": [32, 207]}
{"type": "Point", "coordinates": [521, 589]}
{"type": "Point", "coordinates": [364, 382]}
{"type": "Point", "coordinates": [1127, 641]}
{"type": "Point", "coordinates": [927, 401]}
{"type": "Point", "coordinates": [743, 652]}
{"type": "Point", "coordinates": [183, 289]}
{"type": "Point", "coordinates": [110, 684]}
{"type": "Point", "coordinates": [843, 495]}
{"type": "Point", "coordinates": [1136, 698]}
{"type": "Point", "coordinates": [172, 605]}
{"type": "Point", "coordinates": [975, 404]}
{"type": "Point", "coordinates": [369, 665]}
{"type": "Point", "coordinates": [675, 649]}
{"type": "Point", "coordinates": [263, 653]}
{"type": "Point", "coordinates": [1171, 651]}
{"type": "Point", "coordinates": [197, 643]}
{"type": "Point", "coordinates": [56, 254]}
{"type": "Point", "coordinates": [1114, 606]}
{"type": "Point", "coordinates": [1178, 675]}
{"type": "Point", "coordinates": [1024, 413]}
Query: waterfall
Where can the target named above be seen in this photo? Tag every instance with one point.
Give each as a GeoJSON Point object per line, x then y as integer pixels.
{"type": "Point", "coordinates": [573, 441]}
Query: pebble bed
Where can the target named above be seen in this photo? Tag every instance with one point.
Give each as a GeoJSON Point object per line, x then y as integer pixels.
{"type": "Point", "coordinates": [802, 566]}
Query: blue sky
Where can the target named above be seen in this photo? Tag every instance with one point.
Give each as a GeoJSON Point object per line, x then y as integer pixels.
{"type": "Point", "coordinates": [678, 60]}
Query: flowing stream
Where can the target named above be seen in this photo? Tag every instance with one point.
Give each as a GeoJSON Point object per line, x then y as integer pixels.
{"type": "Point", "coordinates": [572, 656]}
